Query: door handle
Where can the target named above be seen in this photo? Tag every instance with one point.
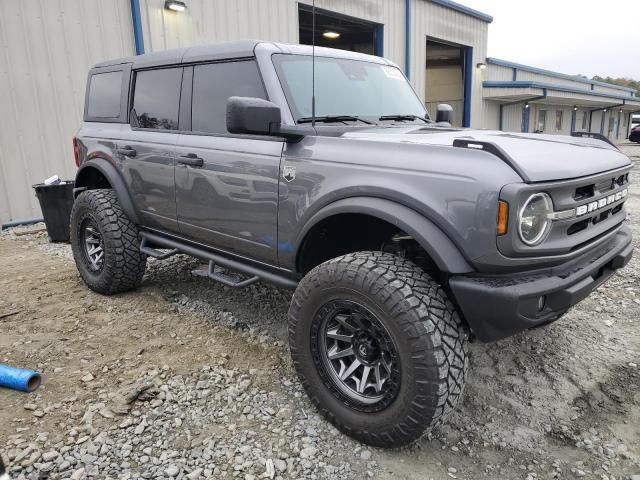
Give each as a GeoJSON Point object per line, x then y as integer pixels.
{"type": "Point", "coordinates": [127, 151]}
{"type": "Point", "coordinates": [191, 159]}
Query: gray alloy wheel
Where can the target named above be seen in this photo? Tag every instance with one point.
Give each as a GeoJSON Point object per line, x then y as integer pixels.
{"type": "Point", "coordinates": [93, 245]}
{"type": "Point", "coordinates": [359, 355]}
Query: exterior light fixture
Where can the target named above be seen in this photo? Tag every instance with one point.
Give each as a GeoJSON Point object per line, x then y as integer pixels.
{"type": "Point", "coordinates": [575, 109]}
{"type": "Point", "coordinates": [481, 65]}
{"type": "Point", "coordinates": [331, 35]}
{"type": "Point", "coordinates": [526, 105]}
{"type": "Point", "coordinates": [175, 5]}
{"type": "Point", "coordinates": [604, 110]}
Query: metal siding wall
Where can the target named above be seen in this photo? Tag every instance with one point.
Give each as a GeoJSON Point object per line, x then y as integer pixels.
{"type": "Point", "coordinates": [497, 72]}
{"type": "Point", "coordinates": [441, 23]}
{"type": "Point", "coordinates": [211, 21]}
{"type": "Point", "coordinates": [47, 48]}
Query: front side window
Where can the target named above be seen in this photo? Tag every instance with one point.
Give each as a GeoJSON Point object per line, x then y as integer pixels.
{"type": "Point", "coordinates": [213, 84]}
{"type": "Point", "coordinates": [104, 95]}
{"type": "Point", "coordinates": [156, 98]}
{"type": "Point", "coordinates": [345, 87]}
{"type": "Point", "coordinates": [558, 120]}
{"type": "Point", "coordinates": [542, 120]}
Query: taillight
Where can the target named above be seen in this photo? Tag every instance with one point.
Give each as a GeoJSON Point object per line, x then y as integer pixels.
{"type": "Point", "coordinates": [76, 152]}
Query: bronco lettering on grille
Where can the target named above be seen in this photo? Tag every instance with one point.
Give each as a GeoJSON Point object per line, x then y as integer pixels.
{"type": "Point", "coordinates": [601, 203]}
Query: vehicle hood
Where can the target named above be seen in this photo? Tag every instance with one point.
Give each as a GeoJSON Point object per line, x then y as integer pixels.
{"type": "Point", "coordinates": [536, 157]}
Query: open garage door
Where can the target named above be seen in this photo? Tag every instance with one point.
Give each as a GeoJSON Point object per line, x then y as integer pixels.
{"type": "Point", "coordinates": [445, 78]}
{"type": "Point", "coordinates": [339, 31]}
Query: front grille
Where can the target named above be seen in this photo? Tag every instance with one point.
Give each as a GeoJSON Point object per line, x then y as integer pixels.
{"type": "Point", "coordinates": [604, 185]}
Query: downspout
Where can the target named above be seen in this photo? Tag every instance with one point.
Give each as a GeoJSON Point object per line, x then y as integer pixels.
{"type": "Point", "coordinates": [136, 19]}
{"type": "Point", "coordinates": [618, 124]}
{"type": "Point", "coordinates": [407, 38]}
{"type": "Point", "coordinates": [573, 120]}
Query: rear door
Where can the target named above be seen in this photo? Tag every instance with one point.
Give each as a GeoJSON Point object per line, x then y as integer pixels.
{"type": "Point", "coordinates": [227, 185]}
{"type": "Point", "coordinates": [147, 147]}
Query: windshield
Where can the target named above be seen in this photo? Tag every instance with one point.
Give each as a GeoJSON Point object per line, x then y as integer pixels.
{"type": "Point", "coordinates": [349, 88]}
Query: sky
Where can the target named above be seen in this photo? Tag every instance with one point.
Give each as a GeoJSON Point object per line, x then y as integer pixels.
{"type": "Point", "coordinates": [586, 37]}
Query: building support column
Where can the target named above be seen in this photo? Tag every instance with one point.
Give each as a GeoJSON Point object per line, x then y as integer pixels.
{"type": "Point", "coordinates": [604, 114]}
{"type": "Point", "coordinates": [526, 111]}
{"type": "Point", "coordinates": [573, 120]}
{"type": "Point", "coordinates": [136, 19]}
{"type": "Point", "coordinates": [468, 82]}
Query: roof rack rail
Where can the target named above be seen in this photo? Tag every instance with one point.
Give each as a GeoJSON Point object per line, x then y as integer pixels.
{"type": "Point", "coordinates": [493, 149]}
{"type": "Point", "coordinates": [596, 136]}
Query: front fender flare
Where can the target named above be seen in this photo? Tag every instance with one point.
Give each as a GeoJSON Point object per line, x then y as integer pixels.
{"type": "Point", "coordinates": [436, 243]}
{"type": "Point", "coordinates": [113, 176]}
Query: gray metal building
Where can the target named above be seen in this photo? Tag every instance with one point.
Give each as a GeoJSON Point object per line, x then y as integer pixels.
{"type": "Point", "coordinates": [48, 46]}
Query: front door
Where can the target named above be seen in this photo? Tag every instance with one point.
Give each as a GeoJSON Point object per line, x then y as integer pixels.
{"type": "Point", "coordinates": [227, 185]}
{"type": "Point", "coordinates": [147, 148]}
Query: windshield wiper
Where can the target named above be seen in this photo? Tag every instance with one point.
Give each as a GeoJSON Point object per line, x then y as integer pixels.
{"type": "Point", "coordinates": [334, 118]}
{"type": "Point", "coordinates": [403, 117]}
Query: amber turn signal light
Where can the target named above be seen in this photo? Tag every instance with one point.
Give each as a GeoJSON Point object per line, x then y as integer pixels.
{"type": "Point", "coordinates": [503, 217]}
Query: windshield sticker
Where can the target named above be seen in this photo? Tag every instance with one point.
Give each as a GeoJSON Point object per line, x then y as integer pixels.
{"type": "Point", "coordinates": [392, 72]}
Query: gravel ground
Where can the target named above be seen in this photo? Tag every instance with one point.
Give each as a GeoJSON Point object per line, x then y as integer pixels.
{"type": "Point", "coordinates": [188, 379]}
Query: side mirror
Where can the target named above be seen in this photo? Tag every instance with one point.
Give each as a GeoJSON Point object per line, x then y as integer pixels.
{"type": "Point", "coordinates": [256, 116]}
{"type": "Point", "coordinates": [445, 113]}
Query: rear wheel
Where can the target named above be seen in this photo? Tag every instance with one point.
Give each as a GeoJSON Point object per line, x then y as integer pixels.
{"type": "Point", "coordinates": [105, 243]}
{"type": "Point", "coordinates": [378, 347]}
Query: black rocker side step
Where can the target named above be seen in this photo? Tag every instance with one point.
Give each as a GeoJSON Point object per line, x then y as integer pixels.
{"type": "Point", "coordinates": [216, 272]}
{"type": "Point", "coordinates": [154, 252]}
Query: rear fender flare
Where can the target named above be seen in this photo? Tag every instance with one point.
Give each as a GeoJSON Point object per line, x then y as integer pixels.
{"type": "Point", "coordinates": [113, 176]}
{"type": "Point", "coordinates": [436, 243]}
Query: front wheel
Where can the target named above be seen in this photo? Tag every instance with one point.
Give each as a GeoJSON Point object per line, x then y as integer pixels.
{"type": "Point", "coordinates": [378, 347]}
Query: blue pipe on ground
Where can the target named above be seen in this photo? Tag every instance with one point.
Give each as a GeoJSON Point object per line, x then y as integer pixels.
{"type": "Point", "coordinates": [18, 223]}
{"type": "Point", "coordinates": [19, 378]}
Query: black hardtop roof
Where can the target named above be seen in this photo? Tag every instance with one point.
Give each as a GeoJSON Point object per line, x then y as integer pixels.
{"type": "Point", "coordinates": [225, 50]}
{"type": "Point", "coordinates": [218, 51]}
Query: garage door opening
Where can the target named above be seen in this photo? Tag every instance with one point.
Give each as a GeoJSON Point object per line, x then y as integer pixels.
{"type": "Point", "coordinates": [339, 31]}
{"type": "Point", "coordinates": [445, 79]}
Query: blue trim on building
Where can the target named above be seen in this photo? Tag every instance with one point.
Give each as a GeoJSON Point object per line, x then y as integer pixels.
{"type": "Point", "coordinates": [500, 118]}
{"type": "Point", "coordinates": [604, 114]}
{"type": "Point", "coordinates": [468, 81]}
{"type": "Point", "coordinates": [573, 120]}
{"type": "Point", "coordinates": [136, 19]}
{"type": "Point", "coordinates": [549, 86]}
{"type": "Point", "coordinates": [618, 125]}
{"type": "Point", "coordinates": [575, 78]}
{"type": "Point", "coordinates": [464, 9]}
{"type": "Point", "coordinates": [379, 47]}
{"type": "Point", "coordinates": [514, 74]}
{"type": "Point", "coordinates": [407, 38]}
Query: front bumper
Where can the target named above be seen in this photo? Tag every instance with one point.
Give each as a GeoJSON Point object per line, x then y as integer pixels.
{"type": "Point", "coordinates": [499, 306]}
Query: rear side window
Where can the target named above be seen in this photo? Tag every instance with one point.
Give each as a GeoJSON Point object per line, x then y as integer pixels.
{"type": "Point", "coordinates": [104, 95]}
{"type": "Point", "coordinates": [156, 98]}
{"type": "Point", "coordinates": [213, 84]}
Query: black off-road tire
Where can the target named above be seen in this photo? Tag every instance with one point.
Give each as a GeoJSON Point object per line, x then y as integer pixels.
{"type": "Point", "coordinates": [431, 340]}
{"type": "Point", "coordinates": [123, 266]}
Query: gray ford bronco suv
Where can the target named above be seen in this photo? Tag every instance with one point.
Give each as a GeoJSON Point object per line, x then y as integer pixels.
{"type": "Point", "coordinates": [404, 238]}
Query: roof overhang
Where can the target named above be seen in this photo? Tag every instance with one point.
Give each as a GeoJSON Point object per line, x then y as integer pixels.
{"type": "Point", "coordinates": [548, 93]}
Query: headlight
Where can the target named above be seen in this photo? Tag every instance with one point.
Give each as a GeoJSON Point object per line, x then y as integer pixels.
{"type": "Point", "coordinates": [534, 221]}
